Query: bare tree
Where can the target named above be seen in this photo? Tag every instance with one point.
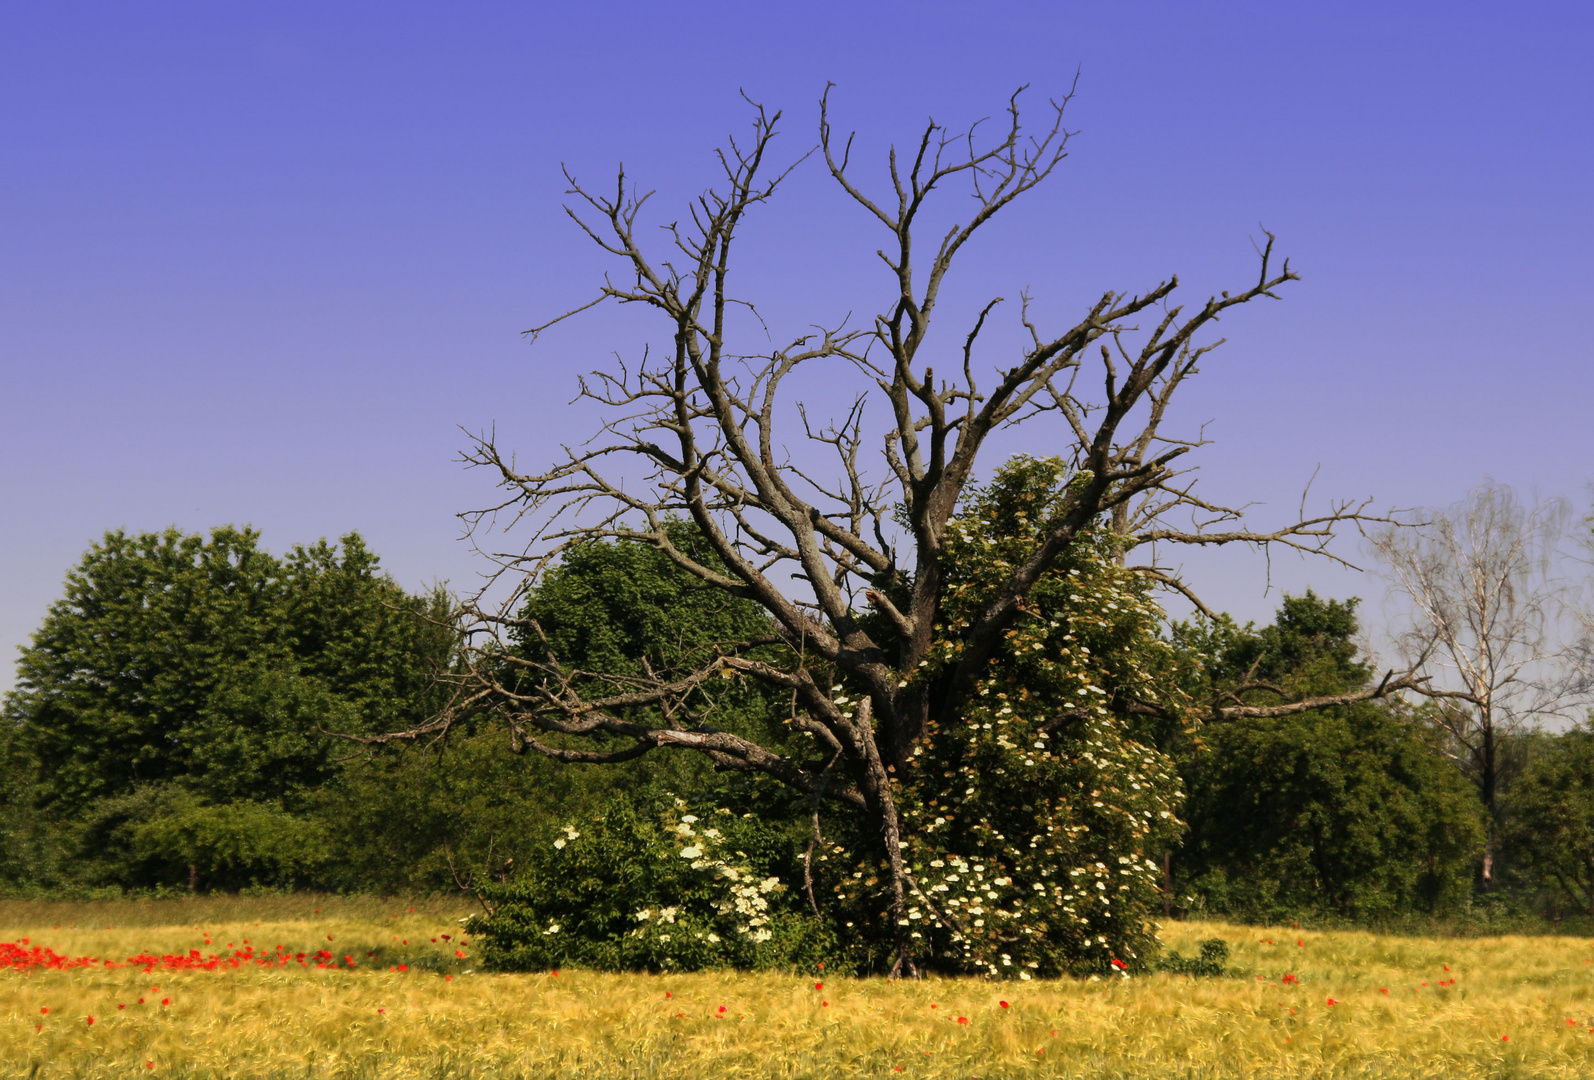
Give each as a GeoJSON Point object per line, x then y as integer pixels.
{"type": "Point", "coordinates": [1483, 626]}
{"type": "Point", "coordinates": [698, 432]}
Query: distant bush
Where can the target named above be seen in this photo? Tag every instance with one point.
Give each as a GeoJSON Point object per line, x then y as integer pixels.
{"type": "Point", "coordinates": [1214, 955]}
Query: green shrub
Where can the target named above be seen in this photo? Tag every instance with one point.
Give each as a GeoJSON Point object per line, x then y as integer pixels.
{"type": "Point", "coordinates": [1210, 964]}
{"type": "Point", "coordinates": [655, 889]}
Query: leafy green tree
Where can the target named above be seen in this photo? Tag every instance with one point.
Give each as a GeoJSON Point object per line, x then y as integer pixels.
{"type": "Point", "coordinates": [1350, 809]}
{"type": "Point", "coordinates": [208, 661]}
{"type": "Point", "coordinates": [208, 666]}
{"type": "Point", "coordinates": [1551, 815]}
{"type": "Point", "coordinates": [471, 812]}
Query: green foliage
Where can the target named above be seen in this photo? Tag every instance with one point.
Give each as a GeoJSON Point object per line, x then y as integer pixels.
{"type": "Point", "coordinates": [1350, 810]}
{"type": "Point", "coordinates": [1551, 815]}
{"type": "Point", "coordinates": [1209, 964]}
{"type": "Point", "coordinates": [1031, 819]}
{"type": "Point", "coordinates": [209, 668]}
{"type": "Point", "coordinates": [654, 889]}
{"type": "Point", "coordinates": [428, 821]}
{"type": "Point", "coordinates": [163, 835]}
{"type": "Point", "coordinates": [231, 846]}
{"type": "Point", "coordinates": [616, 609]}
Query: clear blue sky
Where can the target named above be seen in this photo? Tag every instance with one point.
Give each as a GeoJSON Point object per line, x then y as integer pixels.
{"type": "Point", "coordinates": [262, 261]}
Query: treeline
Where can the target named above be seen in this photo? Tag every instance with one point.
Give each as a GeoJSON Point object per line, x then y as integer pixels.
{"type": "Point", "coordinates": [188, 717]}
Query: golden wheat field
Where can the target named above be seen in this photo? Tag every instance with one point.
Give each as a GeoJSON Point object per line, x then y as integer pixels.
{"type": "Point", "coordinates": [1308, 1004]}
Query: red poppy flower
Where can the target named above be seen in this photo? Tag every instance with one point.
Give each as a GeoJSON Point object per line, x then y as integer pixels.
{"type": "Point", "coordinates": [963, 1019]}
{"type": "Point", "coordinates": [819, 986]}
{"type": "Point", "coordinates": [1331, 1001]}
{"type": "Point", "coordinates": [1003, 1004]}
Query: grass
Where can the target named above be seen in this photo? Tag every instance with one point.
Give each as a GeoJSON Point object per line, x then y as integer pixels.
{"type": "Point", "coordinates": [1506, 1015]}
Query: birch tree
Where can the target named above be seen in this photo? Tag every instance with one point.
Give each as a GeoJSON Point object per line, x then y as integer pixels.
{"type": "Point", "coordinates": [1483, 625]}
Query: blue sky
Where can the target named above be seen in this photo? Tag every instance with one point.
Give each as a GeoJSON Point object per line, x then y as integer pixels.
{"type": "Point", "coordinates": [262, 262]}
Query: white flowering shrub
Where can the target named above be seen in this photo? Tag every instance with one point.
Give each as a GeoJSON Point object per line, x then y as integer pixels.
{"type": "Point", "coordinates": [666, 889]}
{"type": "Point", "coordinates": [1034, 824]}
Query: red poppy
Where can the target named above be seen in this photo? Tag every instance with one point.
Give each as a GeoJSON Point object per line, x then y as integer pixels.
{"type": "Point", "coordinates": [1003, 1004]}
{"type": "Point", "coordinates": [91, 1021]}
{"type": "Point", "coordinates": [963, 1019]}
{"type": "Point", "coordinates": [819, 986]}
{"type": "Point", "coordinates": [1331, 1001]}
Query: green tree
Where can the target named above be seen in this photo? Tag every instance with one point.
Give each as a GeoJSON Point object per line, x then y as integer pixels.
{"type": "Point", "coordinates": [1350, 809]}
{"type": "Point", "coordinates": [471, 811]}
{"type": "Point", "coordinates": [208, 666]}
{"type": "Point", "coordinates": [1551, 816]}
